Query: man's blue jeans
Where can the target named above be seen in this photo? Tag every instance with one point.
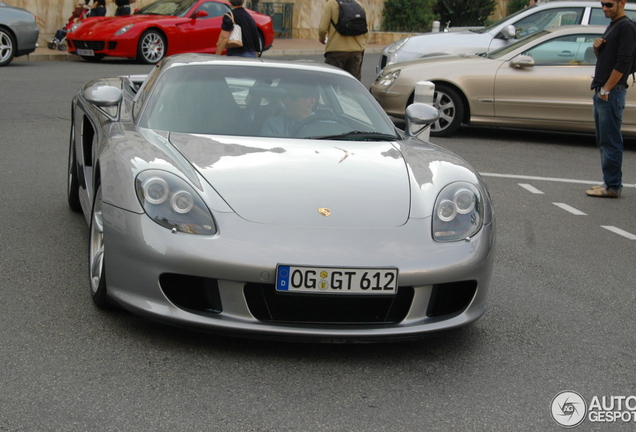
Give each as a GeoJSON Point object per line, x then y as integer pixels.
{"type": "Point", "coordinates": [608, 118]}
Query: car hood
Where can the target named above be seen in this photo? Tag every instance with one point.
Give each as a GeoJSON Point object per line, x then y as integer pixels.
{"type": "Point", "coordinates": [110, 25]}
{"type": "Point", "coordinates": [447, 43]}
{"type": "Point", "coordinates": [440, 63]}
{"type": "Point", "coordinates": [288, 181]}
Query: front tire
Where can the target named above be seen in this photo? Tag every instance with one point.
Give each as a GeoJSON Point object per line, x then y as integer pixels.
{"type": "Point", "coordinates": [7, 47]}
{"type": "Point", "coordinates": [451, 111]}
{"type": "Point", "coordinates": [151, 48]}
{"type": "Point", "coordinates": [96, 269]}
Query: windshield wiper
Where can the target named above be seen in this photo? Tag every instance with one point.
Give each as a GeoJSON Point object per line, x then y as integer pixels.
{"type": "Point", "coordinates": [358, 136]}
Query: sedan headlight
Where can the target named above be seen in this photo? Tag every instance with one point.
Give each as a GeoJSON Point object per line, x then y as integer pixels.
{"type": "Point", "coordinates": [458, 212]}
{"type": "Point", "coordinates": [123, 30]}
{"type": "Point", "coordinates": [386, 80]}
{"type": "Point", "coordinates": [395, 46]}
{"type": "Point", "coordinates": [173, 203]}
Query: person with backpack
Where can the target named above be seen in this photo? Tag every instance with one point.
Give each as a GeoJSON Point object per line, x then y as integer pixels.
{"type": "Point", "coordinates": [344, 30]}
{"type": "Point", "coordinates": [615, 52]}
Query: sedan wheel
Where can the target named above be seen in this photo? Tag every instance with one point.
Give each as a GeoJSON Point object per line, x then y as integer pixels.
{"type": "Point", "coordinates": [96, 270]}
{"type": "Point", "coordinates": [451, 111]}
{"type": "Point", "coordinates": [151, 48]}
{"type": "Point", "coordinates": [7, 47]}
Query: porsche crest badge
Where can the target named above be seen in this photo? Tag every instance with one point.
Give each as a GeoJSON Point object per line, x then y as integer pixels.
{"type": "Point", "coordinates": [324, 211]}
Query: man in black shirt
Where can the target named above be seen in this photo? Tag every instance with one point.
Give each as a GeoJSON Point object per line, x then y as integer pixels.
{"type": "Point", "coordinates": [615, 52]}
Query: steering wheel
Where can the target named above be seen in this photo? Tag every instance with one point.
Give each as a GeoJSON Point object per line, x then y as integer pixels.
{"type": "Point", "coordinates": [328, 118]}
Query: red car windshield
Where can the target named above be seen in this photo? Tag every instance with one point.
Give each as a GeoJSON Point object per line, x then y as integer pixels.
{"type": "Point", "coordinates": [167, 7]}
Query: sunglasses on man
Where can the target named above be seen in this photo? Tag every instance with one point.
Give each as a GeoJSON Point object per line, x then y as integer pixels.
{"type": "Point", "coordinates": [607, 5]}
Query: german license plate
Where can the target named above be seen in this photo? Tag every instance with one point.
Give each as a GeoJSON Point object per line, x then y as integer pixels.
{"type": "Point", "coordinates": [336, 280]}
{"type": "Point", "coordinates": [85, 52]}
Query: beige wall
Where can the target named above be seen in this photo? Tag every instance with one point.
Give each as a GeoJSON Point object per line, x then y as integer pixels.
{"type": "Point", "coordinates": [53, 14]}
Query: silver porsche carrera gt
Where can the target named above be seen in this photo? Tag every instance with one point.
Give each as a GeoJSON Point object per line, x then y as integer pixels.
{"type": "Point", "coordinates": [275, 200]}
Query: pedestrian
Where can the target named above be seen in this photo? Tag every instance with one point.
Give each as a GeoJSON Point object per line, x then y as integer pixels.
{"type": "Point", "coordinates": [343, 51]}
{"type": "Point", "coordinates": [615, 52]}
{"type": "Point", "coordinates": [123, 7]}
{"type": "Point", "coordinates": [98, 9]}
{"type": "Point", "coordinates": [251, 45]}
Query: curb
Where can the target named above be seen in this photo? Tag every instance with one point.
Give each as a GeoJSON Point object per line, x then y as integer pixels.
{"type": "Point", "coordinates": [46, 54]}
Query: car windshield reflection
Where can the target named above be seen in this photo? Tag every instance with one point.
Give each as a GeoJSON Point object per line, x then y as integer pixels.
{"type": "Point", "coordinates": [265, 101]}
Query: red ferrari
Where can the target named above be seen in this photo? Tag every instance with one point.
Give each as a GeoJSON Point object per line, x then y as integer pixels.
{"type": "Point", "coordinates": [163, 28]}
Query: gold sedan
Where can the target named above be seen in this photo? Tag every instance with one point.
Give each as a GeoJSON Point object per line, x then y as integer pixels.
{"type": "Point", "coordinates": [540, 82]}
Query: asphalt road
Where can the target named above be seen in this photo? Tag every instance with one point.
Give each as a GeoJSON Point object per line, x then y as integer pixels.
{"type": "Point", "coordinates": [561, 314]}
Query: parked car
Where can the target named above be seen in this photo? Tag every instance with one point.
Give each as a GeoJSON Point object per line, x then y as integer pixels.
{"type": "Point", "coordinates": [541, 82]}
{"type": "Point", "coordinates": [341, 228]}
{"type": "Point", "coordinates": [165, 27]}
{"type": "Point", "coordinates": [516, 26]}
{"type": "Point", "coordinates": [18, 33]}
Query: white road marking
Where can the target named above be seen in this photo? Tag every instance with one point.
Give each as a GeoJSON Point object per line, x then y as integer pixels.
{"type": "Point", "coordinates": [570, 209]}
{"type": "Point", "coordinates": [554, 179]}
{"type": "Point", "coordinates": [619, 232]}
{"type": "Point", "coordinates": [530, 188]}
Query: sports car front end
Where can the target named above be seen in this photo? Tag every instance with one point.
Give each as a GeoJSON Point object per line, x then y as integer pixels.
{"type": "Point", "coordinates": [356, 234]}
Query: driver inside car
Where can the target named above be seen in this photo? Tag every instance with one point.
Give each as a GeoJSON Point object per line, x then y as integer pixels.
{"type": "Point", "coordinates": [298, 104]}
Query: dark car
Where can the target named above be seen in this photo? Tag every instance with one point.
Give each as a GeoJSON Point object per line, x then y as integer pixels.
{"type": "Point", "coordinates": [18, 33]}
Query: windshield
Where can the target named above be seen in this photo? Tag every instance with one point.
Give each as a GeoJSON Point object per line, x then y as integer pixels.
{"type": "Point", "coordinates": [167, 7]}
{"type": "Point", "coordinates": [498, 23]}
{"type": "Point", "coordinates": [513, 46]}
{"type": "Point", "coordinates": [247, 100]}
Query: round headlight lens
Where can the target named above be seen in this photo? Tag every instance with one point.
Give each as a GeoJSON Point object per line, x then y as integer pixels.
{"type": "Point", "coordinates": [182, 202]}
{"type": "Point", "coordinates": [464, 201]}
{"type": "Point", "coordinates": [446, 211]}
{"type": "Point", "coordinates": [156, 190]}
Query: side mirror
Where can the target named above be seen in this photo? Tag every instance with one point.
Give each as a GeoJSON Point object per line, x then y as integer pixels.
{"type": "Point", "coordinates": [103, 95]}
{"type": "Point", "coordinates": [199, 14]}
{"type": "Point", "coordinates": [522, 61]}
{"type": "Point", "coordinates": [509, 32]}
{"type": "Point", "coordinates": [418, 117]}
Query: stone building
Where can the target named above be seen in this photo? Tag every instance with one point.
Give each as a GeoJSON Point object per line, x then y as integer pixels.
{"type": "Point", "coordinates": [305, 15]}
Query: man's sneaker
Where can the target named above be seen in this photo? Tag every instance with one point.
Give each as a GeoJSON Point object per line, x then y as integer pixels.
{"type": "Point", "coordinates": [603, 192]}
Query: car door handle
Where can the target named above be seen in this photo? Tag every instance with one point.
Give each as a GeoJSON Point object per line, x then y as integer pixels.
{"type": "Point", "coordinates": [566, 54]}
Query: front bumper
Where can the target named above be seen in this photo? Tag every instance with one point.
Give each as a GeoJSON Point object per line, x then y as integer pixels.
{"type": "Point", "coordinates": [147, 267]}
{"type": "Point", "coordinates": [120, 47]}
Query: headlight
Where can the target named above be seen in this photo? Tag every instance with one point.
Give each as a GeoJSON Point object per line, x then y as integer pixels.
{"type": "Point", "coordinates": [386, 80]}
{"type": "Point", "coordinates": [74, 27]}
{"type": "Point", "coordinates": [394, 47]}
{"type": "Point", "coordinates": [458, 212]}
{"type": "Point", "coordinates": [173, 203]}
{"type": "Point", "coordinates": [123, 30]}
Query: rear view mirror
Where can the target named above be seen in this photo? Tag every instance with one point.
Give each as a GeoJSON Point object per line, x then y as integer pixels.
{"type": "Point", "coordinates": [522, 61]}
{"type": "Point", "coordinates": [418, 117]}
{"type": "Point", "coordinates": [509, 32]}
{"type": "Point", "coordinates": [103, 95]}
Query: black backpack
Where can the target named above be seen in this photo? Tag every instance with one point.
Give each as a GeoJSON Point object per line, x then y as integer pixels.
{"type": "Point", "coordinates": [352, 20]}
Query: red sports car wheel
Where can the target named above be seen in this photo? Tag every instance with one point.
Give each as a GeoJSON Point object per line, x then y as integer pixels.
{"type": "Point", "coordinates": [151, 48]}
